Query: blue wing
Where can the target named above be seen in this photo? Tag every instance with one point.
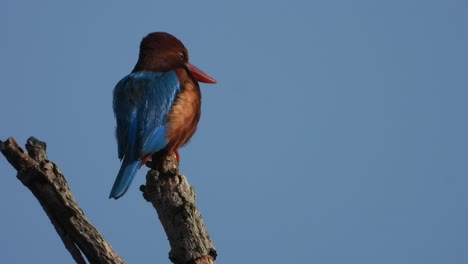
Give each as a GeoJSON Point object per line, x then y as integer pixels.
{"type": "Point", "coordinates": [142, 101]}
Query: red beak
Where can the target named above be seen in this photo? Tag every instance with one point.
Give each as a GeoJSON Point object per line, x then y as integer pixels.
{"type": "Point", "coordinates": [200, 75]}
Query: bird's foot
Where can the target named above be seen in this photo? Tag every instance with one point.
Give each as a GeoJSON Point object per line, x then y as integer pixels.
{"type": "Point", "coordinates": [157, 159]}
{"type": "Point", "coordinates": [144, 161]}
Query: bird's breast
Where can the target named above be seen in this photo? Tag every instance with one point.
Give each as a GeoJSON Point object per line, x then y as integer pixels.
{"type": "Point", "coordinates": [184, 115]}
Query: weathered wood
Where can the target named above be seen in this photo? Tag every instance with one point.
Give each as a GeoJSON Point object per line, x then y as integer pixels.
{"type": "Point", "coordinates": [174, 200]}
{"type": "Point", "coordinates": [49, 186]}
{"type": "Point", "coordinates": [166, 188]}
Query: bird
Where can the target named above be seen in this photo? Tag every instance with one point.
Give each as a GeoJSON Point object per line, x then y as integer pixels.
{"type": "Point", "coordinates": [157, 106]}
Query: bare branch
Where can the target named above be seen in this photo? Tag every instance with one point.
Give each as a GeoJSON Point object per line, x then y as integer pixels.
{"type": "Point", "coordinates": [174, 200]}
{"type": "Point", "coordinates": [166, 188]}
{"type": "Point", "coordinates": [49, 186]}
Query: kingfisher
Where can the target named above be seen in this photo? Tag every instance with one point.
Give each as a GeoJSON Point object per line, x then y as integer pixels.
{"type": "Point", "coordinates": [157, 106]}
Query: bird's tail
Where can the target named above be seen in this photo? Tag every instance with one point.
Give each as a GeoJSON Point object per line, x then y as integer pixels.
{"type": "Point", "coordinates": [127, 171]}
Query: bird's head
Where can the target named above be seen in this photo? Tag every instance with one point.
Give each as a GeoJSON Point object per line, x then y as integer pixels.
{"type": "Point", "coordinates": [162, 52]}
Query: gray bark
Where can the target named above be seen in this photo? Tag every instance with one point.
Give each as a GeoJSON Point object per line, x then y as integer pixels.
{"type": "Point", "coordinates": [174, 200]}
{"type": "Point", "coordinates": [50, 188]}
{"type": "Point", "coordinates": [166, 188]}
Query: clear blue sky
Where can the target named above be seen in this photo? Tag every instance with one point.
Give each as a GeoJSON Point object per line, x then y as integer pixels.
{"type": "Point", "coordinates": [337, 132]}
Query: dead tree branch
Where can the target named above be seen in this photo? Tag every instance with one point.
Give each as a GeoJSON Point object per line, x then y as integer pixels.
{"type": "Point", "coordinates": [50, 188]}
{"type": "Point", "coordinates": [166, 188]}
{"type": "Point", "coordinates": [174, 199]}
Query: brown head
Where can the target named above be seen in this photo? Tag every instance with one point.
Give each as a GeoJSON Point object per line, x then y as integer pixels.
{"type": "Point", "coordinates": [162, 52]}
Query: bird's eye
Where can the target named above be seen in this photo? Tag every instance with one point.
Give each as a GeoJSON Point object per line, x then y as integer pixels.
{"type": "Point", "coordinates": [182, 55]}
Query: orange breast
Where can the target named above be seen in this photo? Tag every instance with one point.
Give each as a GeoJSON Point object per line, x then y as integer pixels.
{"type": "Point", "coordinates": [184, 116]}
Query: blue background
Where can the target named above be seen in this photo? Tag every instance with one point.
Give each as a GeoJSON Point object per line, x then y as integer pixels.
{"type": "Point", "coordinates": [337, 132]}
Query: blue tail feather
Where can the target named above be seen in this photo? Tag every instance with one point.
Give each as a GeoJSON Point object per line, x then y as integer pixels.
{"type": "Point", "coordinates": [127, 172]}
